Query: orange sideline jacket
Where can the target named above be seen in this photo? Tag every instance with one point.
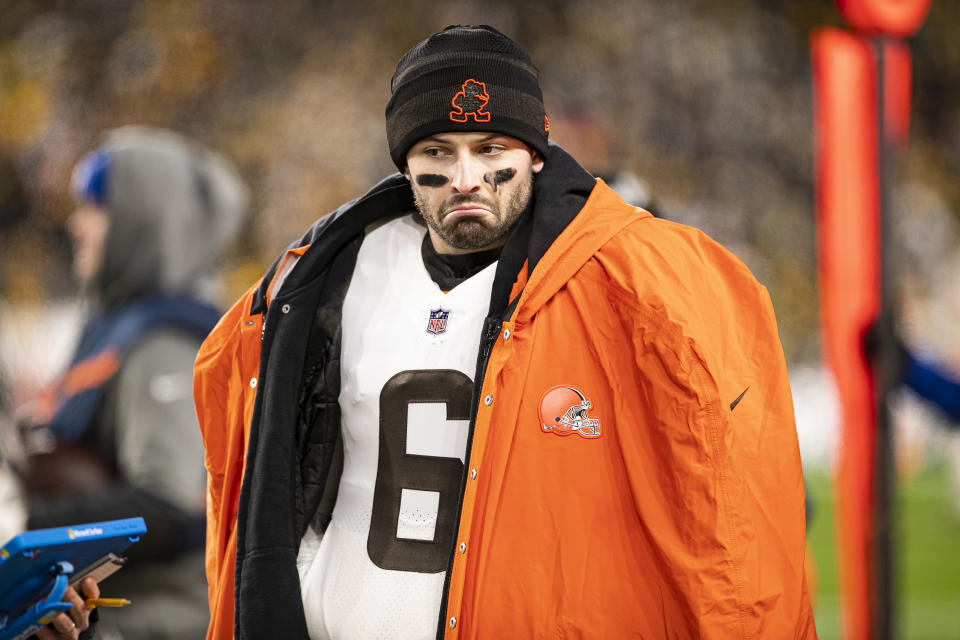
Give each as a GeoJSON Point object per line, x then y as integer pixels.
{"type": "Point", "coordinates": [683, 519]}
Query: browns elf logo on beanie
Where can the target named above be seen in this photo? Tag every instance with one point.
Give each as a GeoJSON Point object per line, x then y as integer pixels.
{"type": "Point", "coordinates": [470, 101]}
{"type": "Point", "coordinates": [465, 78]}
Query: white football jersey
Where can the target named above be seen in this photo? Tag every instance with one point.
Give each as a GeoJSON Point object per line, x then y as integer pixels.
{"type": "Point", "coordinates": [408, 357]}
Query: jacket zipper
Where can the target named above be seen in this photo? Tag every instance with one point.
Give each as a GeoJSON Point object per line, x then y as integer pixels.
{"type": "Point", "coordinates": [490, 332]}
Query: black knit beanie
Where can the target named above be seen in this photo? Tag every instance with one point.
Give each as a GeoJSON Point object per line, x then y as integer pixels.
{"type": "Point", "coordinates": [465, 78]}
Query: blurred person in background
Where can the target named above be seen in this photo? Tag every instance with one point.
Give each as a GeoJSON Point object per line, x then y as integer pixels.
{"type": "Point", "coordinates": [491, 399]}
{"type": "Point", "coordinates": [927, 378]}
{"type": "Point", "coordinates": [932, 382]}
{"type": "Point", "coordinates": [936, 384]}
{"type": "Point", "coordinates": [939, 386]}
{"type": "Point", "coordinates": [116, 435]}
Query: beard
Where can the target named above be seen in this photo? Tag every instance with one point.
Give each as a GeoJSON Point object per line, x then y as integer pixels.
{"type": "Point", "coordinates": [474, 234]}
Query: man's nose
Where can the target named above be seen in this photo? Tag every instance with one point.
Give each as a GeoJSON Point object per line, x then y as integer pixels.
{"type": "Point", "coordinates": [467, 177]}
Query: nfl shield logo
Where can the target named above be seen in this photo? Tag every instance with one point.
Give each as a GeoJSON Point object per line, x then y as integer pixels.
{"type": "Point", "coordinates": [438, 321]}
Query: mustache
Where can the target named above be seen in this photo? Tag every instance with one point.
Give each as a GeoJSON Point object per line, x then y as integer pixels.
{"type": "Point", "coordinates": [460, 199]}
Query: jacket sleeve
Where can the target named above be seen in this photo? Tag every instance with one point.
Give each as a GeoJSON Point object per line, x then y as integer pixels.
{"type": "Point", "coordinates": [224, 387]}
{"type": "Point", "coordinates": [712, 371]}
{"type": "Point", "coordinates": [158, 451]}
{"type": "Point", "coordinates": [934, 384]}
{"type": "Point", "coordinates": [158, 445]}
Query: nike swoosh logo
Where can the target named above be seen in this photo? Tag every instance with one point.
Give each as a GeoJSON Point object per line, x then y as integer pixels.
{"type": "Point", "coordinates": [739, 398]}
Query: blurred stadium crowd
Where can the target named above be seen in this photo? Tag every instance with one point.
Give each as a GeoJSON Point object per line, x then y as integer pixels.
{"type": "Point", "coordinates": [709, 102]}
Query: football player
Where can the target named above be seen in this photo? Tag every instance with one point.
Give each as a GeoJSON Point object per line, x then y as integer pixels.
{"type": "Point", "coordinates": [489, 399]}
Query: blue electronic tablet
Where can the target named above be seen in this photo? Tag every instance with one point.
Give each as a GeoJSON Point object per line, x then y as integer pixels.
{"type": "Point", "coordinates": [37, 566]}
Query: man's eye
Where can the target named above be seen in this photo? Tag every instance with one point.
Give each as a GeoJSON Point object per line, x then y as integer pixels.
{"type": "Point", "coordinates": [491, 149]}
{"type": "Point", "coordinates": [434, 152]}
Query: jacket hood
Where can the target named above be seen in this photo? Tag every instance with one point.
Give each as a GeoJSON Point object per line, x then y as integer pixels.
{"type": "Point", "coordinates": [604, 215]}
{"type": "Point", "coordinates": [174, 206]}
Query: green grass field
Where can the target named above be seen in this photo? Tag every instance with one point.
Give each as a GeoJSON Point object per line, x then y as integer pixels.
{"type": "Point", "coordinates": [927, 560]}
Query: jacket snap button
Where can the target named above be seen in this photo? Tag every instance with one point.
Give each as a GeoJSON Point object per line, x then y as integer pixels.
{"type": "Point", "coordinates": [250, 323]}
{"type": "Point", "coordinates": [285, 308]}
{"type": "Point", "coordinates": [488, 400]}
{"type": "Point", "coordinates": [506, 334]}
{"type": "Point", "coordinates": [453, 622]}
{"type": "Point", "coordinates": [473, 474]}
{"type": "Point", "coordinates": [463, 547]}
{"type": "Point", "coordinates": [253, 383]}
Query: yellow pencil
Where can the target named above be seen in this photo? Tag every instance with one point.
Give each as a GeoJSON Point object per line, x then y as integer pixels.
{"type": "Point", "coordinates": [93, 603]}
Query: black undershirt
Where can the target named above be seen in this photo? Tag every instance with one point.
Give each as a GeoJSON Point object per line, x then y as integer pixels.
{"type": "Point", "coordinates": [448, 270]}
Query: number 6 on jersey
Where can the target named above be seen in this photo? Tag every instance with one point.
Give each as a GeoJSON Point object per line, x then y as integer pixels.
{"type": "Point", "coordinates": [424, 417]}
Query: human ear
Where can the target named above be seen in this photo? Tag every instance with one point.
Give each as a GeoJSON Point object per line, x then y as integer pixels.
{"type": "Point", "coordinates": [536, 162]}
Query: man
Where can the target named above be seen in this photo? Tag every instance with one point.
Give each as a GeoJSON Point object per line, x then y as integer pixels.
{"type": "Point", "coordinates": [525, 410]}
{"type": "Point", "coordinates": [116, 435]}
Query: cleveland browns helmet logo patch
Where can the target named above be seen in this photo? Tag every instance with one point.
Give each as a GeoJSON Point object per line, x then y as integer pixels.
{"type": "Point", "coordinates": [469, 103]}
{"type": "Point", "coordinates": [563, 410]}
